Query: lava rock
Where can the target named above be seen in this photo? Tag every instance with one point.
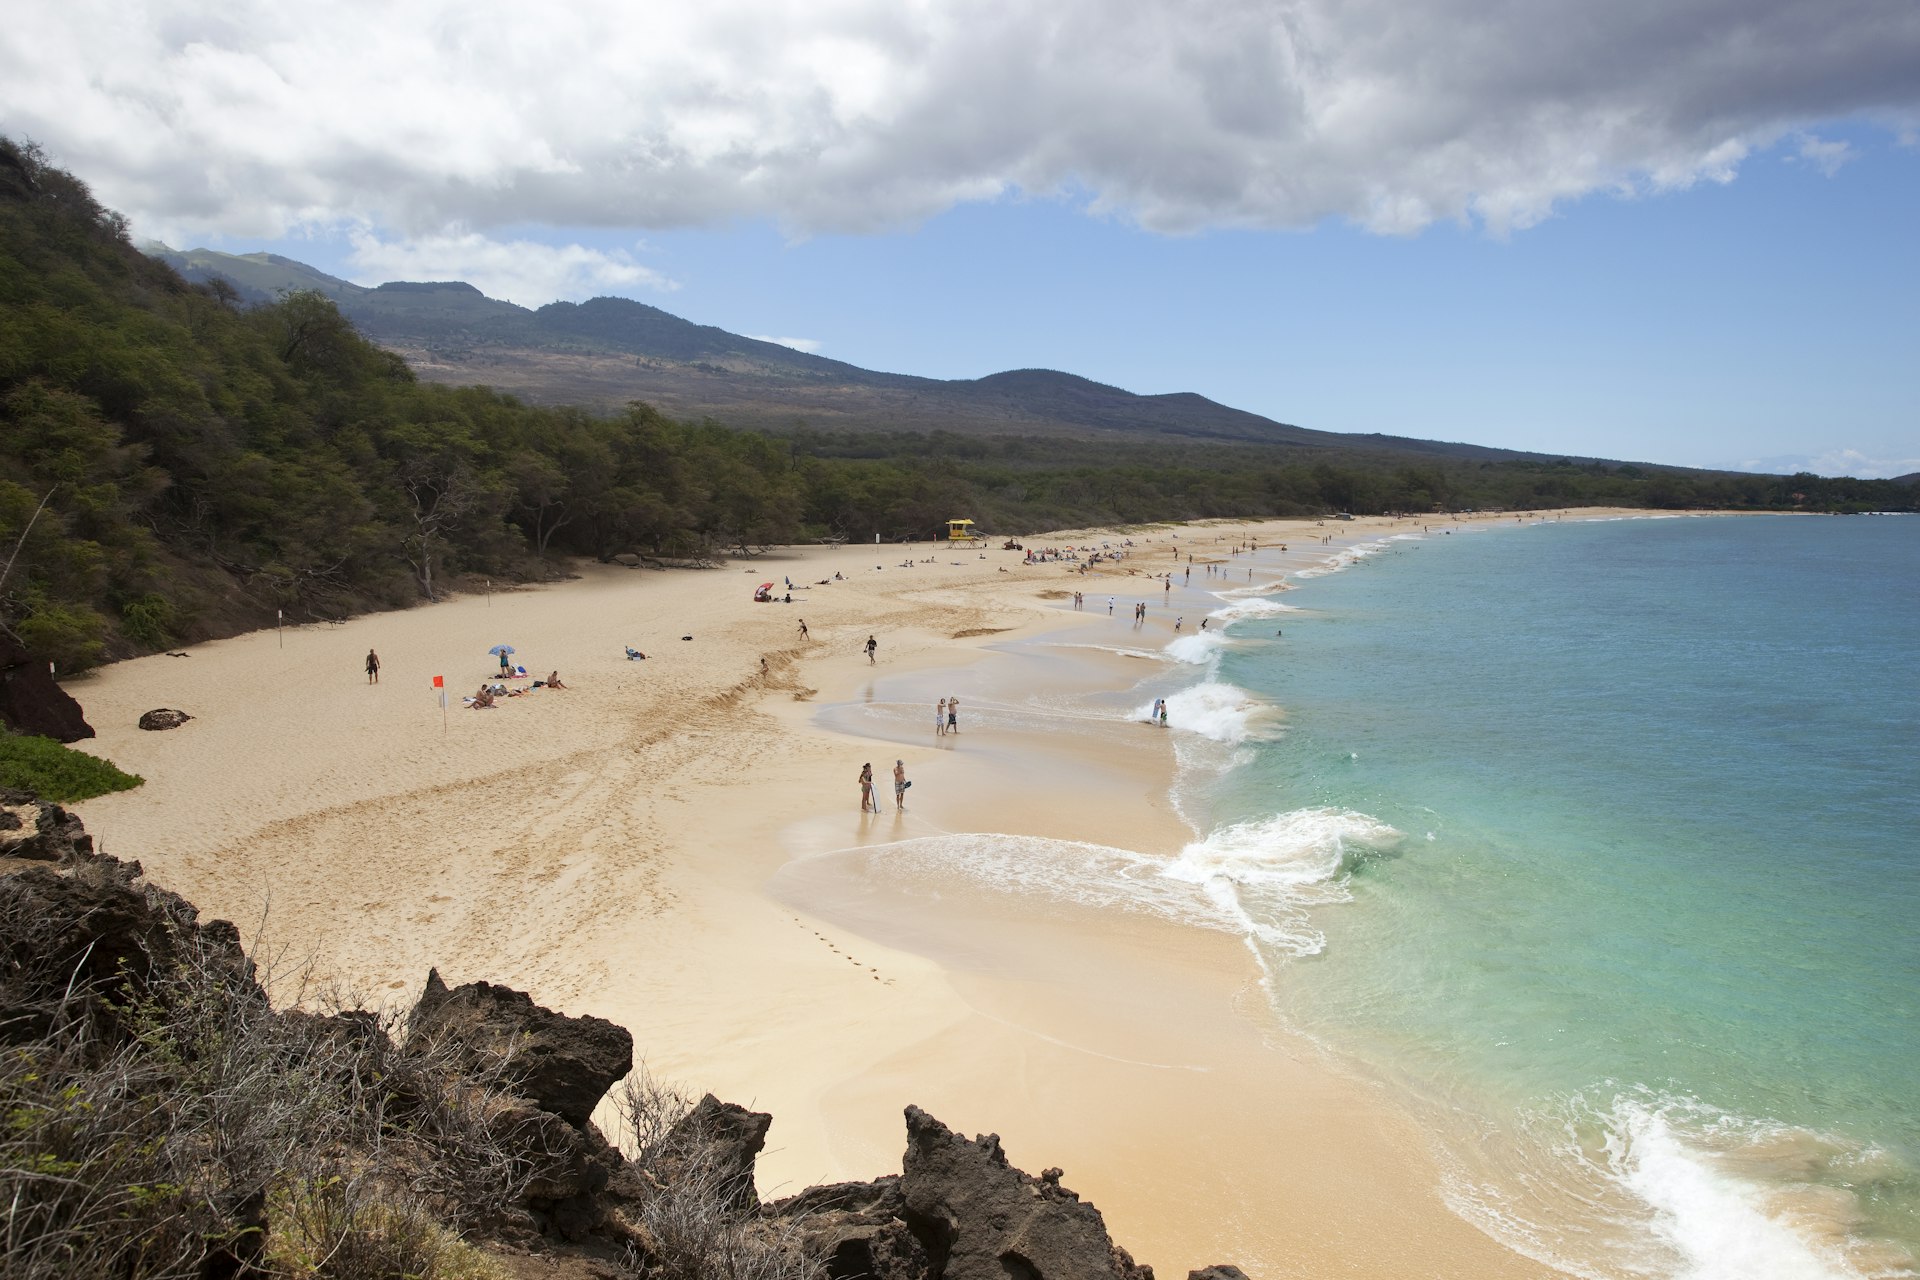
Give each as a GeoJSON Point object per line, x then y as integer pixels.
{"type": "Point", "coordinates": [856, 1230]}
{"type": "Point", "coordinates": [164, 718]}
{"type": "Point", "coordinates": [560, 1064]}
{"type": "Point", "coordinates": [717, 1141]}
{"type": "Point", "coordinates": [30, 701]}
{"type": "Point", "coordinates": [979, 1218]}
{"type": "Point", "coordinates": [37, 831]}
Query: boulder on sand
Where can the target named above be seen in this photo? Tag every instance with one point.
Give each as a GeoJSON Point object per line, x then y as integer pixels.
{"type": "Point", "coordinates": [164, 718]}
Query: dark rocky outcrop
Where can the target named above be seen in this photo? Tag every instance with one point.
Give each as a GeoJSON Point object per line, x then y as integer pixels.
{"type": "Point", "coordinates": [979, 1218]}
{"type": "Point", "coordinates": [857, 1229]}
{"type": "Point", "coordinates": [73, 921]}
{"type": "Point", "coordinates": [163, 718]}
{"type": "Point", "coordinates": [559, 1064]}
{"type": "Point", "coordinates": [39, 832]}
{"type": "Point", "coordinates": [527, 1079]}
{"type": "Point", "coordinates": [30, 701]}
{"type": "Point", "coordinates": [721, 1140]}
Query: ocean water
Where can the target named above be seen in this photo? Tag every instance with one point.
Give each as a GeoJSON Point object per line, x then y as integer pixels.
{"type": "Point", "coordinates": [1598, 842]}
{"type": "Point", "coordinates": [1601, 841]}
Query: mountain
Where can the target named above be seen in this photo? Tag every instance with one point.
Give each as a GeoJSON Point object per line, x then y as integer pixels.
{"type": "Point", "coordinates": [607, 352]}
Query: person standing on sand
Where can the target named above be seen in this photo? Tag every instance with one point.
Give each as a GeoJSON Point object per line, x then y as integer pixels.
{"type": "Point", "coordinates": [373, 667]}
{"type": "Point", "coordinates": [953, 715]}
{"type": "Point", "coordinates": [867, 804]}
{"type": "Point", "coordinates": [1163, 713]}
{"type": "Point", "coordinates": [804, 634]}
{"type": "Point", "coordinates": [872, 644]}
{"type": "Point", "coordinates": [940, 718]}
{"type": "Point", "coordinates": [899, 786]}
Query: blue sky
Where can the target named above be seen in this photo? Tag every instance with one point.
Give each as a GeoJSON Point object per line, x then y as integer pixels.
{"type": "Point", "coordinates": [1684, 233]}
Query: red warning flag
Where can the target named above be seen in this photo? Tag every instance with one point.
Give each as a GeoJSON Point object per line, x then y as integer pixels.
{"type": "Point", "coordinates": [439, 682]}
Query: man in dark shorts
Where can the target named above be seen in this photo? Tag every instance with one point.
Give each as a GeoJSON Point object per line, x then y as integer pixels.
{"type": "Point", "coordinates": [373, 667]}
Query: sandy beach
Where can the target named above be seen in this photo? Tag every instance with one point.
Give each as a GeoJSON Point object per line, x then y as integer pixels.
{"type": "Point", "coordinates": [675, 844]}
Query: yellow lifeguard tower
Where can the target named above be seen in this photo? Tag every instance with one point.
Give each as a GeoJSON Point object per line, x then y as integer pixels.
{"type": "Point", "coordinates": [962, 531]}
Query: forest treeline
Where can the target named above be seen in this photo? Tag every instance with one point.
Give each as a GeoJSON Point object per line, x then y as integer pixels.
{"type": "Point", "coordinates": [175, 466]}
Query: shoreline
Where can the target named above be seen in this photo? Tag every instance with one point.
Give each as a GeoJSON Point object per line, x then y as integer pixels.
{"type": "Point", "coordinates": [607, 848]}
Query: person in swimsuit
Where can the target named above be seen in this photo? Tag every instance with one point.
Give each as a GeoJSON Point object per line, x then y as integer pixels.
{"type": "Point", "coordinates": [940, 717]}
{"type": "Point", "coordinates": [373, 667]}
{"type": "Point", "coordinates": [872, 644]}
{"type": "Point", "coordinates": [953, 715]}
{"type": "Point", "coordinates": [803, 629]}
{"type": "Point", "coordinates": [899, 786]}
{"type": "Point", "coordinates": [866, 790]}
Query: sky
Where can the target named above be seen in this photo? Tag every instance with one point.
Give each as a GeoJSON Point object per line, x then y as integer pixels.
{"type": "Point", "coordinates": [1679, 231]}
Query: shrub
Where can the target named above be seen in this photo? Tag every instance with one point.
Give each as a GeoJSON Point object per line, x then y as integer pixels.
{"type": "Point", "coordinates": [690, 1216]}
{"type": "Point", "coordinates": [173, 1126]}
{"type": "Point", "coordinates": [148, 620]}
{"type": "Point", "coordinates": [345, 1228]}
{"type": "Point", "coordinates": [58, 773]}
{"type": "Point", "coordinates": [72, 637]}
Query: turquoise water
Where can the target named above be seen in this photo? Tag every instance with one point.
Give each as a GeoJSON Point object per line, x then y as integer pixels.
{"type": "Point", "coordinates": [1603, 839]}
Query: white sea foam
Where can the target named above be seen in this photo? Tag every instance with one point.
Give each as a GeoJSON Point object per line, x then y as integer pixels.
{"type": "Point", "coordinates": [1240, 610]}
{"type": "Point", "coordinates": [1197, 649]}
{"type": "Point", "coordinates": [1256, 880]}
{"type": "Point", "coordinates": [1270, 872]}
{"type": "Point", "coordinates": [1703, 1175]}
{"type": "Point", "coordinates": [1253, 589]}
{"type": "Point", "coordinates": [1222, 712]}
{"type": "Point", "coordinates": [1073, 872]}
{"type": "Point", "coordinates": [1123, 650]}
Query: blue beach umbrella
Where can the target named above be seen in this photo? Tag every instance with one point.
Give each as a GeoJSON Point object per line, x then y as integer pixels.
{"type": "Point", "coordinates": [499, 649]}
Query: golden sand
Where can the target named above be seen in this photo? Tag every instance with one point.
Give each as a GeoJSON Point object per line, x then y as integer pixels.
{"type": "Point", "coordinates": [609, 849]}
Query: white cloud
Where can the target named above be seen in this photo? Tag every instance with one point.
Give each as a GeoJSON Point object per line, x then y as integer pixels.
{"type": "Point", "coordinates": [1834, 462]}
{"type": "Point", "coordinates": [808, 345]}
{"type": "Point", "coordinates": [1825, 155]}
{"type": "Point", "coordinates": [523, 271]}
{"type": "Point", "coordinates": [252, 118]}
